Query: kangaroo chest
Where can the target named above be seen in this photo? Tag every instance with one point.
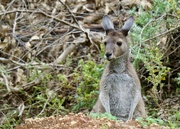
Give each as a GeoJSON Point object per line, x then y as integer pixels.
{"type": "Point", "coordinates": [121, 94]}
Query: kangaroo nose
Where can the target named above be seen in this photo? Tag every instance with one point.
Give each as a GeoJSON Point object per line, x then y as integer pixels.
{"type": "Point", "coordinates": [108, 55]}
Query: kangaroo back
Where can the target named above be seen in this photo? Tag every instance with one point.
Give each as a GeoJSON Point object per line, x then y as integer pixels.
{"type": "Point", "coordinates": [120, 89]}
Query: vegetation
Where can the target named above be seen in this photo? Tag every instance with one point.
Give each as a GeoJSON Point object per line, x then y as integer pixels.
{"type": "Point", "coordinates": [87, 75]}
{"type": "Point", "coordinates": [103, 115]}
{"type": "Point", "coordinates": [51, 66]}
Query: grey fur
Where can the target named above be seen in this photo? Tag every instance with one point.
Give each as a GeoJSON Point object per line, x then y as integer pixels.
{"type": "Point", "coordinates": [128, 24]}
{"type": "Point", "coordinates": [107, 23]}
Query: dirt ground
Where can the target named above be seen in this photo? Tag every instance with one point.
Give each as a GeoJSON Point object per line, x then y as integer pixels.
{"type": "Point", "coordinates": [81, 121]}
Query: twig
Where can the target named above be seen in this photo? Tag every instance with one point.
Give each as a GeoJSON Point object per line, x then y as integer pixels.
{"type": "Point", "coordinates": [54, 42]}
{"type": "Point", "coordinates": [32, 65]}
{"type": "Point", "coordinates": [6, 80]}
{"type": "Point", "coordinates": [70, 12]}
{"type": "Point", "coordinates": [141, 37]}
{"type": "Point", "coordinates": [30, 84]}
{"type": "Point", "coordinates": [9, 5]}
{"type": "Point", "coordinates": [45, 104]}
{"type": "Point", "coordinates": [12, 56]}
{"type": "Point", "coordinates": [14, 26]}
{"type": "Point", "coordinates": [162, 34]}
{"type": "Point", "coordinates": [43, 13]}
{"type": "Point", "coordinates": [81, 27]}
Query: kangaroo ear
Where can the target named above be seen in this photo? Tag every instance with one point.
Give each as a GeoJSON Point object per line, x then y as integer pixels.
{"type": "Point", "coordinates": [127, 26]}
{"type": "Point", "coordinates": [107, 24]}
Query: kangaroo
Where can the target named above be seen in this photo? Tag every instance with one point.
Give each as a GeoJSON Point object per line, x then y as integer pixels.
{"type": "Point", "coordinates": [120, 88]}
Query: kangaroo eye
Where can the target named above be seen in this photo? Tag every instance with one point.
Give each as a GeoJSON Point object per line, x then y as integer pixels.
{"type": "Point", "coordinates": [119, 43]}
{"type": "Point", "coordinates": [105, 43]}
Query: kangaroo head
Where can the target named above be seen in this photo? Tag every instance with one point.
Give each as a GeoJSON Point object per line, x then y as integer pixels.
{"type": "Point", "coordinates": [115, 40]}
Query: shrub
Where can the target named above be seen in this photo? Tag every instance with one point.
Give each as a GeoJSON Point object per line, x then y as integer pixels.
{"type": "Point", "coordinates": [148, 48]}
{"type": "Point", "coordinates": [87, 76]}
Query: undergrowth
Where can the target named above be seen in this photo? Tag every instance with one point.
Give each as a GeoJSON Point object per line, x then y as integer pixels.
{"type": "Point", "coordinates": [103, 115]}
{"type": "Point", "coordinates": [148, 49]}
{"type": "Point", "coordinates": [87, 76]}
{"type": "Point", "coordinates": [172, 123]}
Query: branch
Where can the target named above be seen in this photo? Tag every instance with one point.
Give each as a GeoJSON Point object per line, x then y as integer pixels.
{"type": "Point", "coordinates": [66, 52]}
{"type": "Point", "coordinates": [43, 13]}
{"type": "Point", "coordinates": [164, 33]}
{"type": "Point", "coordinates": [80, 26]}
{"type": "Point", "coordinates": [70, 48]}
{"type": "Point", "coordinates": [32, 65]}
{"type": "Point", "coordinates": [70, 12]}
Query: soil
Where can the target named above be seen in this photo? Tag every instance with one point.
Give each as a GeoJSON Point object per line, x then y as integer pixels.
{"type": "Point", "coordinates": [82, 121]}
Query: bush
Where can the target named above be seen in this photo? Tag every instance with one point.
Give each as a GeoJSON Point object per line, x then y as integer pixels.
{"type": "Point", "coordinates": [150, 49]}
{"type": "Point", "coordinates": [87, 77]}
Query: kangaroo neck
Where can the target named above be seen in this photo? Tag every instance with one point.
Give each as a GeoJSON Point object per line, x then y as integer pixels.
{"type": "Point", "coordinates": [118, 65]}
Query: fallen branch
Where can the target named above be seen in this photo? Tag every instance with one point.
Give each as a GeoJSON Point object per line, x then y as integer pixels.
{"type": "Point", "coordinates": [64, 55]}
{"type": "Point", "coordinates": [69, 49]}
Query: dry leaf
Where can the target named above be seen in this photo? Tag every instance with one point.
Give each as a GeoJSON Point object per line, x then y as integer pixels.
{"type": "Point", "coordinates": [19, 75]}
{"type": "Point", "coordinates": [129, 3]}
{"type": "Point", "coordinates": [2, 45]}
{"type": "Point", "coordinates": [35, 37]}
{"type": "Point", "coordinates": [146, 4]}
